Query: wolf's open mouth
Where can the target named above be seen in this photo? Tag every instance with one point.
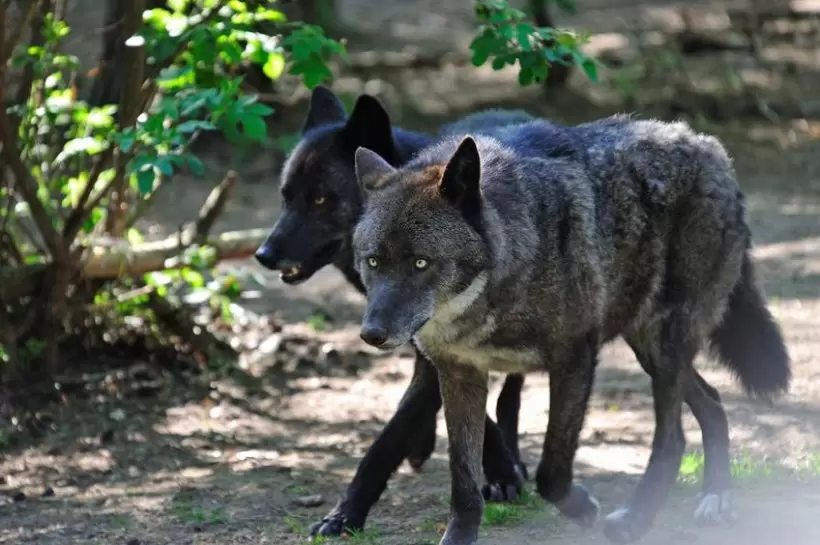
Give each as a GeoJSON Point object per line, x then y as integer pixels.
{"type": "Point", "coordinates": [304, 270]}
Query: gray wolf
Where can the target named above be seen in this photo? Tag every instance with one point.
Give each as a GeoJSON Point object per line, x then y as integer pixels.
{"type": "Point", "coordinates": [527, 250]}
{"type": "Point", "coordinates": [321, 202]}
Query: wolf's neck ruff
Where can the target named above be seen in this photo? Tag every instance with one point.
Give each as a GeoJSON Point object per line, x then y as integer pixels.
{"type": "Point", "coordinates": [446, 338]}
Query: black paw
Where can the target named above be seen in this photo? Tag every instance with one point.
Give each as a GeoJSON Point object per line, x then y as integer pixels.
{"type": "Point", "coordinates": [624, 526]}
{"type": "Point", "coordinates": [580, 506]}
{"type": "Point", "coordinates": [335, 523]}
{"type": "Point", "coordinates": [501, 492]}
{"type": "Point", "coordinates": [505, 490]}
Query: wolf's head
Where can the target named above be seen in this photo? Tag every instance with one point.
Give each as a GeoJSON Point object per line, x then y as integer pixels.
{"type": "Point", "coordinates": [418, 246]}
{"type": "Point", "coordinates": [321, 198]}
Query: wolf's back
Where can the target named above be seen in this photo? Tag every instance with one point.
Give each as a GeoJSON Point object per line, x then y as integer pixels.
{"type": "Point", "coordinates": [485, 122]}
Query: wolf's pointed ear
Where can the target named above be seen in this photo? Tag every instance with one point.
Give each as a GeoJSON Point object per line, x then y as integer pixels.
{"type": "Point", "coordinates": [325, 107]}
{"type": "Point", "coordinates": [460, 182]}
{"type": "Point", "coordinates": [371, 168]}
{"type": "Point", "coordinates": [369, 126]}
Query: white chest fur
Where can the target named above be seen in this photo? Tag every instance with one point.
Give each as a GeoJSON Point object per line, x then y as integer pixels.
{"type": "Point", "coordinates": [465, 341]}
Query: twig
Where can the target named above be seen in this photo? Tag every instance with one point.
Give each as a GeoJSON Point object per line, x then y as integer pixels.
{"type": "Point", "coordinates": [22, 177]}
{"type": "Point", "coordinates": [213, 207]}
{"type": "Point", "coordinates": [106, 262]}
{"type": "Point", "coordinates": [28, 10]}
{"type": "Point", "coordinates": [83, 208]}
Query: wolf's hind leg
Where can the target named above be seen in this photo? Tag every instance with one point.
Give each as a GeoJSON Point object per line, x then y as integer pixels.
{"type": "Point", "coordinates": [668, 352]}
{"type": "Point", "coordinates": [504, 480]}
{"type": "Point", "coordinates": [507, 409]}
{"type": "Point", "coordinates": [716, 506]}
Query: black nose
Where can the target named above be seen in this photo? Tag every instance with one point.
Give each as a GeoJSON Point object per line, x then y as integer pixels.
{"type": "Point", "coordinates": [374, 336]}
{"type": "Point", "coordinates": [265, 257]}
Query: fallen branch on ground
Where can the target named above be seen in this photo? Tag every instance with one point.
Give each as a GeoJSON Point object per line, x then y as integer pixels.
{"type": "Point", "coordinates": [120, 259]}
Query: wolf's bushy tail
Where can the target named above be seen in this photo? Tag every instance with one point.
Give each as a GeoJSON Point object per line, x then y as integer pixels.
{"type": "Point", "coordinates": [749, 341]}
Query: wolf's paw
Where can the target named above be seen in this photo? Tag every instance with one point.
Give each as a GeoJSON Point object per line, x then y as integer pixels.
{"type": "Point", "coordinates": [460, 534]}
{"type": "Point", "coordinates": [336, 523]}
{"type": "Point", "coordinates": [505, 490]}
{"type": "Point", "coordinates": [623, 526]}
{"type": "Point", "coordinates": [716, 509]}
{"type": "Point", "coordinates": [499, 492]}
{"type": "Point", "coordinates": [580, 506]}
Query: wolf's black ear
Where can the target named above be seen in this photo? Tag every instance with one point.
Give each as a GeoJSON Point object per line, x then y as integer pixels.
{"type": "Point", "coordinates": [325, 107]}
{"type": "Point", "coordinates": [460, 182]}
{"type": "Point", "coordinates": [371, 168]}
{"type": "Point", "coordinates": [369, 126]}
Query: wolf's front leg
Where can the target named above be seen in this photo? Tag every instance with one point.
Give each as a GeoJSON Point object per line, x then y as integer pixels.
{"type": "Point", "coordinates": [464, 393]}
{"type": "Point", "coordinates": [570, 386]}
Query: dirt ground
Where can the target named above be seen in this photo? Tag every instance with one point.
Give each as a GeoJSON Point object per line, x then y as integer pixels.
{"type": "Point", "coordinates": [223, 462]}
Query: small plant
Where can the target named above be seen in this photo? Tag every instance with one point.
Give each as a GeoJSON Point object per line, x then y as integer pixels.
{"type": "Point", "coordinates": [318, 322]}
{"type": "Point", "coordinates": [185, 508]}
{"type": "Point", "coordinates": [505, 37]}
{"type": "Point", "coordinates": [83, 174]}
{"type": "Point", "coordinates": [294, 525]}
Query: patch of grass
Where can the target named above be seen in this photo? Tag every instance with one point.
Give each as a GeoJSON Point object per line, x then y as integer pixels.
{"type": "Point", "coordinates": [433, 525]}
{"type": "Point", "coordinates": [512, 513]}
{"type": "Point", "coordinates": [185, 508]}
{"type": "Point", "coordinates": [691, 469]}
{"type": "Point", "coordinates": [813, 465]}
{"type": "Point", "coordinates": [295, 525]}
{"type": "Point", "coordinates": [122, 521]}
{"type": "Point", "coordinates": [745, 469]}
{"type": "Point", "coordinates": [317, 322]}
{"type": "Point", "coordinates": [369, 537]}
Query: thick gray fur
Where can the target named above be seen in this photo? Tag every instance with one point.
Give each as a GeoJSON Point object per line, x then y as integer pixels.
{"type": "Point", "coordinates": [526, 250]}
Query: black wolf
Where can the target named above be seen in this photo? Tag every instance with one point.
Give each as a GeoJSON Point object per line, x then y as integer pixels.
{"type": "Point", "coordinates": [528, 250]}
{"type": "Point", "coordinates": [321, 202]}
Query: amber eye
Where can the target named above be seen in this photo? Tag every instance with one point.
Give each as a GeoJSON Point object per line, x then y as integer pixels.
{"type": "Point", "coordinates": [319, 200]}
{"type": "Point", "coordinates": [421, 264]}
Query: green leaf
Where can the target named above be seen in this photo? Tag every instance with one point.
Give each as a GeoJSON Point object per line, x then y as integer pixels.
{"type": "Point", "coordinates": [525, 31]}
{"type": "Point", "coordinates": [274, 66]}
{"type": "Point", "coordinates": [195, 165]}
{"type": "Point", "coordinates": [165, 165]}
{"type": "Point", "coordinates": [254, 127]}
{"type": "Point", "coordinates": [126, 140]}
{"type": "Point", "coordinates": [87, 145]}
{"type": "Point", "coordinates": [257, 109]}
{"type": "Point", "coordinates": [590, 69]}
{"type": "Point", "coordinates": [525, 76]}
{"type": "Point", "coordinates": [145, 180]}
